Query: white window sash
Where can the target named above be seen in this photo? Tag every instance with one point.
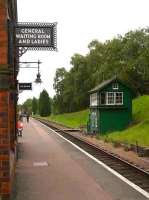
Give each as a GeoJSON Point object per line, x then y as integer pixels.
{"type": "Point", "coordinates": [121, 98]}
{"type": "Point", "coordinates": [93, 99]}
{"type": "Point", "coordinates": [107, 98]}
{"type": "Point", "coordinates": [114, 95]}
{"type": "Point", "coordinates": [113, 86]}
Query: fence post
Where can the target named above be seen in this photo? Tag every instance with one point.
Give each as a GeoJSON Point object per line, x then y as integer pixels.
{"type": "Point", "coordinates": [137, 148]}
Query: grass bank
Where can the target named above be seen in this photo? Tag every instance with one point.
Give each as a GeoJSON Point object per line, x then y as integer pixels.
{"type": "Point", "coordinates": [139, 132]}
{"type": "Point", "coordinates": [73, 120]}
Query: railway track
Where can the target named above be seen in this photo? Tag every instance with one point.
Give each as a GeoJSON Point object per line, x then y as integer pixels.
{"type": "Point", "coordinates": [133, 173]}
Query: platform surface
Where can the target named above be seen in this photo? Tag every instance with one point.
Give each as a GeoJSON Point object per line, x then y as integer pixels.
{"type": "Point", "coordinates": [49, 168]}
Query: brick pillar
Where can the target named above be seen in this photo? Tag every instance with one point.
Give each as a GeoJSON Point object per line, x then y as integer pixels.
{"type": "Point", "coordinates": [3, 32]}
{"type": "Point", "coordinates": [4, 105]}
{"type": "Point", "coordinates": [4, 147]}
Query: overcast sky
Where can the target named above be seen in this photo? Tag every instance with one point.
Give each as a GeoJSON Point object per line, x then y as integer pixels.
{"type": "Point", "coordinates": [79, 22]}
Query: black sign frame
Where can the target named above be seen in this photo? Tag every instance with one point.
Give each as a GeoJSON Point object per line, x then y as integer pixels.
{"type": "Point", "coordinates": [50, 28]}
{"type": "Point", "coordinates": [25, 86]}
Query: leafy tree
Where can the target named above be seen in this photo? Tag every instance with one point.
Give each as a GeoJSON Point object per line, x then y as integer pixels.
{"type": "Point", "coordinates": [27, 106]}
{"type": "Point", "coordinates": [125, 56]}
{"type": "Point", "coordinates": [34, 106]}
{"type": "Point", "coordinates": [44, 104]}
{"type": "Point", "coordinates": [59, 82]}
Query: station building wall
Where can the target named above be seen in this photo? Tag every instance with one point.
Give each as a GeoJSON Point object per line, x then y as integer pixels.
{"type": "Point", "coordinates": [7, 104]}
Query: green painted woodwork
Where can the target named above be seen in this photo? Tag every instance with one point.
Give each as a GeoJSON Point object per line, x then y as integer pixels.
{"type": "Point", "coordinates": [111, 117]}
{"type": "Point", "coordinates": [114, 119]}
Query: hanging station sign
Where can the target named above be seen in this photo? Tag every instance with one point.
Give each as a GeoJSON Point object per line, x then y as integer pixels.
{"type": "Point", "coordinates": [36, 36]}
{"type": "Point", "coordinates": [25, 86]}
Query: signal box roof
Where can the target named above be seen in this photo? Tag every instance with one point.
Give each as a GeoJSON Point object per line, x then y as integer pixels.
{"type": "Point", "coordinates": [105, 83]}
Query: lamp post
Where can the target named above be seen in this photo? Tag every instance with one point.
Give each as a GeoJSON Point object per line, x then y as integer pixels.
{"type": "Point", "coordinates": [38, 78]}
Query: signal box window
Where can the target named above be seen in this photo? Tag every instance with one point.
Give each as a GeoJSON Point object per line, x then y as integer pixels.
{"type": "Point", "coordinates": [118, 98]}
{"type": "Point", "coordinates": [115, 86]}
{"type": "Point", "coordinates": [110, 98]}
{"type": "Point", "coordinates": [102, 98]}
{"type": "Point", "coordinates": [93, 99]}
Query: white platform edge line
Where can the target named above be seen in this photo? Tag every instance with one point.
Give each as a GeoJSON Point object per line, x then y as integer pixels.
{"type": "Point", "coordinates": [143, 192]}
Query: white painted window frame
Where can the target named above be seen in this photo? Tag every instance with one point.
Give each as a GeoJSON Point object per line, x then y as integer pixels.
{"type": "Point", "coordinates": [122, 98]}
{"type": "Point", "coordinates": [113, 86]}
{"type": "Point", "coordinates": [92, 97]}
{"type": "Point", "coordinates": [107, 98]}
{"type": "Point", "coordinates": [114, 93]}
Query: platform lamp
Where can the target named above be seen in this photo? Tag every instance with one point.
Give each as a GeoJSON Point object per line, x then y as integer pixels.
{"type": "Point", "coordinates": [38, 78]}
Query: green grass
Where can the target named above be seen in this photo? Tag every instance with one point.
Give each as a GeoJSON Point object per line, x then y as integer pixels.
{"type": "Point", "coordinates": [141, 108]}
{"type": "Point", "coordinates": [73, 120]}
{"type": "Point", "coordinates": [138, 132]}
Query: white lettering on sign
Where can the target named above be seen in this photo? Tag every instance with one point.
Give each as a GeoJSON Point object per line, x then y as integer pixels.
{"type": "Point", "coordinates": [33, 37]}
{"type": "Point", "coordinates": [44, 36]}
{"type": "Point", "coordinates": [33, 41]}
{"type": "Point", "coordinates": [32, 30]}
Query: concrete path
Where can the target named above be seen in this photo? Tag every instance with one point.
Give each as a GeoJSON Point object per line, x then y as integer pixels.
{"type": "Point", "coordinates": [49, 168]}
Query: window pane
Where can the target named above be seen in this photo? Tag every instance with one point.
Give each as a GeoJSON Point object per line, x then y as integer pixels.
{"type": "Point", "coordinates": [93, 99]}
{"type": "Point", "coordinates": [110, 98]}
{"type": "Point", "coordinates": [119, 98]}
{"type": "Point", "coordinates": [103, 98]}
{"type": "Point", "coordinates": [115, 86]}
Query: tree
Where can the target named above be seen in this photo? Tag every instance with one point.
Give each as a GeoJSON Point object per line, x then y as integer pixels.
{"type": "Point", "coordinates": [34, 106]}
{"type": "Point", "coordinates": [125, 56]}
{"type": "Point", "coordinates": [59, 82]}
{"type": "Point", "coordinates": [27, 106]}
{"type": "Point", "coordinates": [44, 104]}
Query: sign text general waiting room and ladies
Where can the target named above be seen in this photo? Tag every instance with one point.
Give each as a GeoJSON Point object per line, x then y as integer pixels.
{"type": "Point", "coordinates": [36, 35]}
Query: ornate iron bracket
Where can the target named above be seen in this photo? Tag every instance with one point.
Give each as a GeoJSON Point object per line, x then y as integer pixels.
{"type": "Point", "coordinates": [22, 50]}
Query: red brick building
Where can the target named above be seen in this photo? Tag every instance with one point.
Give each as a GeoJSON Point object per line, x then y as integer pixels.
{"type": "Point", "coordinates": [8, 95]}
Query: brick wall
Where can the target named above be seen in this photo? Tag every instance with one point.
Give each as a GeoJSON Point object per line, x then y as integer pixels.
{"type": "Point", "coordinates": [4, 107]}
{"type": "Point", "coordinates": [3, 32]}
{"type": "Point", "coordinates": [4, 147]}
